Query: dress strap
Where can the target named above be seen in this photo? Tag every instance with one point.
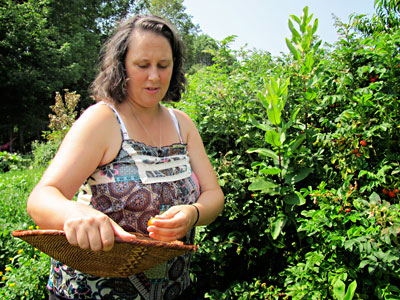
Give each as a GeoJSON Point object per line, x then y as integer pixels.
{"type": "Point", "coordinates": [176, 123]}
{"type": "Point", "coordinates": [124, 132]}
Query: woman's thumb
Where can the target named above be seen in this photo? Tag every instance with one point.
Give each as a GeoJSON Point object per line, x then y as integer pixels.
{"type": "Point", "coordinates": [120, 232]}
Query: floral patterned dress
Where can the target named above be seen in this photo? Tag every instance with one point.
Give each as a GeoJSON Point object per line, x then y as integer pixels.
{"type": "Point", "coordinates": [139, 183]}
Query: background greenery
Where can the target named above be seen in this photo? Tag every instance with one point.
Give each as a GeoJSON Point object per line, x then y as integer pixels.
{"type": "Point", "coordinates": [305, 146]}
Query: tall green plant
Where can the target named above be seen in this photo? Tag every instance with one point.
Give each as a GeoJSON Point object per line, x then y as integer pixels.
{"type": "Point", "coordinates": [282, 135]}
{"type": "Point", "coordinates": [303, 46]}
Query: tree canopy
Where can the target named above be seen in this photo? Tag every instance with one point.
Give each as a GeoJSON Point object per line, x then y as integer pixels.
{"type": "Point", "coordinates": [47, 46]}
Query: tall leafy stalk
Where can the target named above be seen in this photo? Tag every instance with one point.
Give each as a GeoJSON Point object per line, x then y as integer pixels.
{"type": "Point", "coordinates": [279, 179]}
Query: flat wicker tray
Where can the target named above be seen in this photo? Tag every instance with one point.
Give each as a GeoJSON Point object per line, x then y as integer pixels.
{"type": "Point", "coordinates": [127, 257]}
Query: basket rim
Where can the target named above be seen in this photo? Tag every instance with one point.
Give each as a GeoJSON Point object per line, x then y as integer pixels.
{"type": "Point", "coordinates": [139, 239]}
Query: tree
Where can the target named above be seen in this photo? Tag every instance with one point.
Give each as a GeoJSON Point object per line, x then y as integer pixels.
{"type": "Point", "coordinates": [202, 56]}
{"type": "Point", "coordinates": [48, 46]}
{"type": "Point", "coordinates": [386, 19]}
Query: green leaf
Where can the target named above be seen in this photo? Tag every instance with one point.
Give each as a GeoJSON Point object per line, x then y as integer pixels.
{"type": "Point", "coordinates": [261, 185]}
{"type": "Point", "coordinates": [283, 137]}
{"type": "Point", "coordinates": [273, 138]}
{"type": "Point", "coordinates": [294, 114]}
{"type": "Point", "coordinates": [264, 127]}
{"type": "Point", "coordinates": [296, 18]}
{"type": "Point", "coordinates": [309, 61]}
{"type": "Point", "coordinates": [295, 199]}
{"type": "Point", "coordinates": [384, 126]}
{"type": "Point", "coordinates": [264, 152]}
{"type": "Point", "coordinates": [315, 26]}
{"type": "Point", "coordinates": [304, 22]}
{"type": "Point", "coordinates": [339, 289]}
{"type": "Point", "coordinates": [316, 46]}
{"type": "Point", "coordinates": [262, 98]}
{"type": "Point", "coordinates": [350, 291]}
{"type": "Point", "coordinates": [297, 142]}
{"type": "Point", "coordinates": [295, 33]}
{"type": "Point", "coordinates": [374, 198]}
{"type": "Point", "coordinates": [283, 93]}
{"type": "Point", "coordinates": [293, 49]}
{"type": "Point", "coordinates": [298, 176]}
{"type": "Point", "coordinates": [274, 114]}
{"type": "Point", "coordinates": [277, 226]}
{"type": "Point", "coordinates": [271, 171]}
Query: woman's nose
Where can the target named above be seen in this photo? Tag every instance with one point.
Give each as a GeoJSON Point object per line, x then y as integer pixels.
{"type": "Point", "coordinates": [153, 74]}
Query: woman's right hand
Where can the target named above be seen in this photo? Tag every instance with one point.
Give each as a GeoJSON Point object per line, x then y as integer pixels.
{"type": "Point", "coordinates": [95, 231]}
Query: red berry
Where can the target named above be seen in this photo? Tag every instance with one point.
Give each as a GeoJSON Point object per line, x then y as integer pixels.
{"type": "Point", "coordinates": [392, 194]}
{"type": "Point", "coordinates": [363, 143]}
{"type": "Point", "coordinates": [347, 210]}
{"type": "Point", "coordinates": [385, 191]}
{"type": "Point", "coordinates": [396, 191]}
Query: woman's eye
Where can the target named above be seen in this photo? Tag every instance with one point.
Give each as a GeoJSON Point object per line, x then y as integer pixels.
{"type": "Point", "coordinates": [145, 66]}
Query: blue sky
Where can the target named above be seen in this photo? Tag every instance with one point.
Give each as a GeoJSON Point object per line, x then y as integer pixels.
{"type": "Point", "coordinates": [262, 24]}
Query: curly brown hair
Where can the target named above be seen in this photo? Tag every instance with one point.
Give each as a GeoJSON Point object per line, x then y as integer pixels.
{"type": "Point", "coordinates": [110, 82]}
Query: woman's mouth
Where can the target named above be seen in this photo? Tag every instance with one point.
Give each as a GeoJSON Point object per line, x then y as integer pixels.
{"type": "Point", "coordinates": [152, 90]}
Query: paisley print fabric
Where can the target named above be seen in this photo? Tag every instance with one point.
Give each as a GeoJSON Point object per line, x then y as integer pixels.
{"type": "Point", "coordinates": [141, 182]}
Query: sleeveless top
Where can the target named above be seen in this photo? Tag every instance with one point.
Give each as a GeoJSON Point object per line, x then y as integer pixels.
{"type": "Point", "coordinates": [141, 182]}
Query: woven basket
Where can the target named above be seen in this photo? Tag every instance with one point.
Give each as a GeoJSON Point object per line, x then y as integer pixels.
{"type": "Point", "coordinates": [127, 257]}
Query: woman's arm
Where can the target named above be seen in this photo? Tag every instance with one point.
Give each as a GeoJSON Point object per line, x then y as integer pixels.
{"type": "Point", "coordinates": [93, 140]}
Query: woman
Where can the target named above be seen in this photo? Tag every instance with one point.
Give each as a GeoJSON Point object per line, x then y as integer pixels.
{"type": "Point", "coordinates": [139, 159]}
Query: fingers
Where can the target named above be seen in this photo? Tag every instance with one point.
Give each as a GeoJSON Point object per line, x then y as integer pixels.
{"type": "Point", "coordinates": [167, 235]}
{"type": "Point", "coordinates": [118, 231]}
{"type": "Point", "coordinates": [107, 235]}
{"type": "Point", "coordinates": [170, 229]}
{"type": "Point", "coordinates": [94, 232]}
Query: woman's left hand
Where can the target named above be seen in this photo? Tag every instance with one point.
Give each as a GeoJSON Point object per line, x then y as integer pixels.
{"type": "Point", "coordinates": [173, 224]}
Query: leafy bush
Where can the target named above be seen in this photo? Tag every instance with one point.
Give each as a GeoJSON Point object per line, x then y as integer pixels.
{"type": "Point", "coordinates": [43, 152]}
{"type": "Point", "coordinates": [345, 237]}
{"type": "Point", "coordinates": [24, 270]}
{"type": "Point", "coordinates": [11, 161]}
{"type": "Point", "coordinates": [303, 146]}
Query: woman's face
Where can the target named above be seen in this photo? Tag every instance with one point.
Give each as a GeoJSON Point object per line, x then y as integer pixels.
{"type": "Point", "coordinates": [149, 65]}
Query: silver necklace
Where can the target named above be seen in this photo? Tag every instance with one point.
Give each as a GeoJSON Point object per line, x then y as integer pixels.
{"type": "Point", "coordinates": [146, 131]}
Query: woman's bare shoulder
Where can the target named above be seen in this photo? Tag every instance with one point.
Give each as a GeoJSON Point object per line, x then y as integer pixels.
{"type": "Point", "coordinates": [97, 126]}
{"type": "Point", "coordinates": [98, 111]}
{"type": "Point", "coordinates": [183, 118]}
